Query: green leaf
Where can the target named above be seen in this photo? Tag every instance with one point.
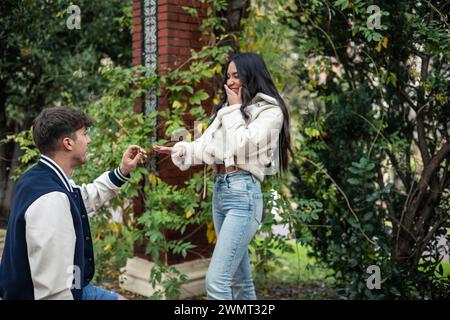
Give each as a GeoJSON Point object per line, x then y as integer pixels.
{"type": "Point", "coordinates": [342, 3]}
{"type": "Point", "coordinates": [354, 181]}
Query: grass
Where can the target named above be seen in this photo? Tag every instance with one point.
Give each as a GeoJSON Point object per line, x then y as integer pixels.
{"type": "Point", "coordinates": [446, 266]}
{"type": "Point", "coordinates": [298, 276]}
{"type": "Point", "coordinates": [303, 276]}
{"type": "Point", "coordinates": [298, 266]}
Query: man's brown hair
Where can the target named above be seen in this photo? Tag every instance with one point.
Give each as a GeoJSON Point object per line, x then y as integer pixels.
{"type": "Point", "coordinates": [53, 124]}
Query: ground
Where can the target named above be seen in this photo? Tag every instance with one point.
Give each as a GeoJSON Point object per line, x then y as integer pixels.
{"type": "Point", "coordinates": [279, 291]}
{"type": "Point", "coordinates": [297, 276]}
{"type": "Point", "coordinates": [275, 290]}
{"type": "Point", "coordinates": [314, 290]}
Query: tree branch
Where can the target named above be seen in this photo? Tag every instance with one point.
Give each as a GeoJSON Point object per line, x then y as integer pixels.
{"type": "Point", "coordinates": [407, 99]}
{"type": "Point", "coordinates": [422, 143]}
{"type": "Point", "coordinates": [427, 238]}
{"type": "Point", "coordinates": [405, 180]}
{"type": "Point", "coordinates": [424, 183]}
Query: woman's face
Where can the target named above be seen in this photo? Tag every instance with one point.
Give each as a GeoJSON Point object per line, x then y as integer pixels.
{"type": "Point", "coordinates": [233, 81]}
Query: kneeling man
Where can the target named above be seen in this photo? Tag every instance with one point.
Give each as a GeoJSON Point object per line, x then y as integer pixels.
{"type": "Point", "coordinates": [48, 251]}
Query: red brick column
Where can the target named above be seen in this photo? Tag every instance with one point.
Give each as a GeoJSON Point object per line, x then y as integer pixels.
{"type": "Point", "coordinates": [177, 33]}
{"type": "Point", "coordinates": [137, 43]}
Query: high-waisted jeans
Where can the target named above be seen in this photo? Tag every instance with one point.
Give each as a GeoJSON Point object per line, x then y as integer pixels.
{"type": "Point", "coordinates": [237, 213]}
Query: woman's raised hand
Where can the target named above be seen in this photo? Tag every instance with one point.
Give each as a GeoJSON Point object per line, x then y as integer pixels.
{"type": "Point", "coordinates": [233, 97]}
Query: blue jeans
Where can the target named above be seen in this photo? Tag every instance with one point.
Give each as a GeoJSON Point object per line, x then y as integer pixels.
{"type": "Point", "coordinates": [91, 292]}
{"type": "Point", "coordinates": [237, 213]}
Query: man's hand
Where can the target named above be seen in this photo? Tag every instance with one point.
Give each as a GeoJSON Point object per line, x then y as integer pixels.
{"type": "Point", "coordinates": [177, 152]}
{"type": "Point", "coordinates": [131, 159]}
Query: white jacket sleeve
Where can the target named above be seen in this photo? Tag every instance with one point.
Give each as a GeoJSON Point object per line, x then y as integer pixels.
{"type": "Point", "coordinates": [103, 189]}
{"type": "Point", "coordinates": [50, 237]}
{"type": "Point", "coordinates": [195, 154]}
{"type": "Point", "coordinates": [254, 141]}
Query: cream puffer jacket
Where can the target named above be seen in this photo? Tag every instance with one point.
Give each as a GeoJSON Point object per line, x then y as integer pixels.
{"type": "Point", "coordinates": [251, 145]}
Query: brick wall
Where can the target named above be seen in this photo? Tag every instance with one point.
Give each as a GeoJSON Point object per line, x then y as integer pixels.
{"type": "Point", "coordinates": [177, 33]}
{"type": "Point", "coordinates": [137, 43]}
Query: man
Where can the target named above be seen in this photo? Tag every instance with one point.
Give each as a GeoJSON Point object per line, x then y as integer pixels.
{"type": "Point", "coordinates": [48, 250]}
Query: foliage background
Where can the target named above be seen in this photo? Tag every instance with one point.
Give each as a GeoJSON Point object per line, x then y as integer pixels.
{"type": "Point", "coordinates": [369, 112]}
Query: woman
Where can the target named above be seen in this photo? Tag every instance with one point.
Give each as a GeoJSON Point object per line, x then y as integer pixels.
{"type": "Point", "coordinates": [247, 139]}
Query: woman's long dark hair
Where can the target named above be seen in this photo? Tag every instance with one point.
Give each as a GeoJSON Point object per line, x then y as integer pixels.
{"type": "Point", "coordinates": [255, 78]}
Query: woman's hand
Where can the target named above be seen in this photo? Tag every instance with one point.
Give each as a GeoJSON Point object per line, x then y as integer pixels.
{"type": "Point", "coordinates": [177, 151]}
{"type": "Point", "coordinates": [233, 97]}
{"type": "Point", "coordinates": [161, 149]}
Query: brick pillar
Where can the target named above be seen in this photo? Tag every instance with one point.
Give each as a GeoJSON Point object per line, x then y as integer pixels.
{"type": "Point", "coordinates": [137, 43]}
{"type": "Point", "coordinates": [178, 34]}
{"type": "Point", "coordinates": [163, 36]}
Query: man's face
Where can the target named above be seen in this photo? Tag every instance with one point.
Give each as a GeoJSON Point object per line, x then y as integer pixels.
{"type": "Point", "coordinates": [80, 147]}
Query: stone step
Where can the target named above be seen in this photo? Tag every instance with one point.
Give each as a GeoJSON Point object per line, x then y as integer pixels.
{"type": "Point", "coordinates": [136, 275]}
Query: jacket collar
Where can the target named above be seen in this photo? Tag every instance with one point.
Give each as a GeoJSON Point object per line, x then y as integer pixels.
{"type": "Point", "coordinates": [260, 99]}
{"type": "Point", "coordinates": [264, 97]}
{"type": "Point", "coordinates": [57, 169]}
